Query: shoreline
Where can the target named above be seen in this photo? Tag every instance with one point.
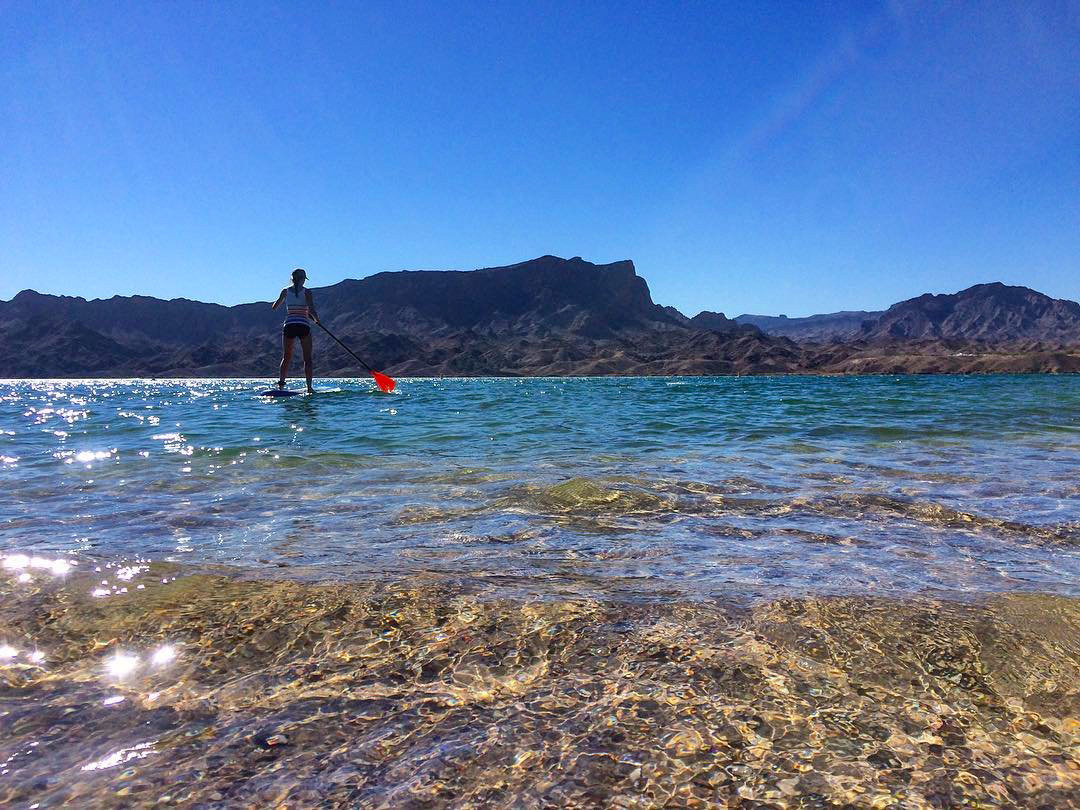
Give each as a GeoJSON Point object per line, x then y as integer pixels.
{"type": "Point", "coordinates": [614, 376]}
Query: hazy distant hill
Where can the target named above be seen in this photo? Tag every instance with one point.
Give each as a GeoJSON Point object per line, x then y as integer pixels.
{"type": "Point", "coordinates": [544, 316]}
{"type": "Point", "coordinates": [813, 327]}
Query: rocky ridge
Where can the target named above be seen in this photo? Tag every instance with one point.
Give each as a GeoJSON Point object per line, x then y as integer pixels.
{"type": "Point", "coordinates": [547, 316]}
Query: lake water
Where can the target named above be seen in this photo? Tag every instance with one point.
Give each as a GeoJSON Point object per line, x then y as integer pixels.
{"type": "Point", "coordinates": [593, 592]}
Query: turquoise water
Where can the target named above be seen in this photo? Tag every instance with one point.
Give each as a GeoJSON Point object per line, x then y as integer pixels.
{"type": "Point", "coordinates": [735, 592]}
{"type": "Point", "coordinates": [942, 484]}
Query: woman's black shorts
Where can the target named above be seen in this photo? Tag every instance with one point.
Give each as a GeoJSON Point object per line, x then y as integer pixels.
{"type": "Point", "coordinates": [293, 330]}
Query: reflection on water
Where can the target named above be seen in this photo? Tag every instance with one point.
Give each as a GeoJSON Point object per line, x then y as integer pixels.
{"type": "Point", "coordinates": [628, 593]}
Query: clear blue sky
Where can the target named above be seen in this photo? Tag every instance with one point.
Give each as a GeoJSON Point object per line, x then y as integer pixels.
{"type": "Point", "coordinates": [749, 157]}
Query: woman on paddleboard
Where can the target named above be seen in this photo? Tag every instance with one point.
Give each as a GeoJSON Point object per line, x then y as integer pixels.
{"type": "Point", "coordinates": [300, 312]}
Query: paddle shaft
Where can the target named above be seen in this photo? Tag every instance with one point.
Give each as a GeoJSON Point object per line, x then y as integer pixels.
{"type": "Point", "coordinates": [346, 348]}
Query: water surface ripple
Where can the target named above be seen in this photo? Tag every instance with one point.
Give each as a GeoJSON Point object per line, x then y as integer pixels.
{"type": "Point", "coordinates": [944, 484]}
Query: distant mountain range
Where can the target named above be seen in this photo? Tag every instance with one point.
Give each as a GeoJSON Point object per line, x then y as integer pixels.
{"type": "Point", "coordinates": [547, 316]}
{"type": "Point", "coordinates": [813, 327]}
{"type": "Point", "coordinates": [988, 313]}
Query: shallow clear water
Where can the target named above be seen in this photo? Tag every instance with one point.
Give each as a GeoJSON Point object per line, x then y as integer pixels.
{"type": "Point", "coordinates": [760, 592]}
{"type": "Point", "coordinates": [837, 485]}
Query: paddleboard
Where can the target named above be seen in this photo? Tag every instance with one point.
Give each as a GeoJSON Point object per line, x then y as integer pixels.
{"type": "Point", "coordinates": [279, 392]}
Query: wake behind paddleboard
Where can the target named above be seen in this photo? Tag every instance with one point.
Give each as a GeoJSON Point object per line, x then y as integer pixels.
{"type": "Point", "coordinates": [279, 392]}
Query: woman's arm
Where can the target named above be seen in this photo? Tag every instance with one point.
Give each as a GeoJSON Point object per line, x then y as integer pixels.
{"type": "Point", "coordinates": [311, 306]}
{"type": "Point", "coordinates": [280, 298]}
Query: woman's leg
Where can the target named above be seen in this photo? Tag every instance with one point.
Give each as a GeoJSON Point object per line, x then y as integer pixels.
{"type": "Point", "coordinates": [286, 359]}
{"type": "Point", "coordinates": [305, 344]}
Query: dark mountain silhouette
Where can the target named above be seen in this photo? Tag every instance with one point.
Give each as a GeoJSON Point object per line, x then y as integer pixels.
{"type": "Point", "coordinates": [548, 315]}
{"type": "Point", "coordinates": [541, 297]}
{"type": "Point", "coordinates": [545, 316]}
{"type": "Point", "coordinates": [177, 321]}
{"type": "Point", "coordinates": [545, 295]}
{"type": "Point", "coordinates": [719, 322]}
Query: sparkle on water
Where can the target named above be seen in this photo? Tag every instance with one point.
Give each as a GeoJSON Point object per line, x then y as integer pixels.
{"type": "Point", "coordinates": [561, 592]}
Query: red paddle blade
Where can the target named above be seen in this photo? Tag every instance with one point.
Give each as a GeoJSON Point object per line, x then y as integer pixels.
{"type": "Point", "coordinates": [385, 383]}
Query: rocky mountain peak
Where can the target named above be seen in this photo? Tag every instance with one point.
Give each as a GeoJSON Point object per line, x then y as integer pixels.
{"type": "Point", "coordinates": [993, 312]}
